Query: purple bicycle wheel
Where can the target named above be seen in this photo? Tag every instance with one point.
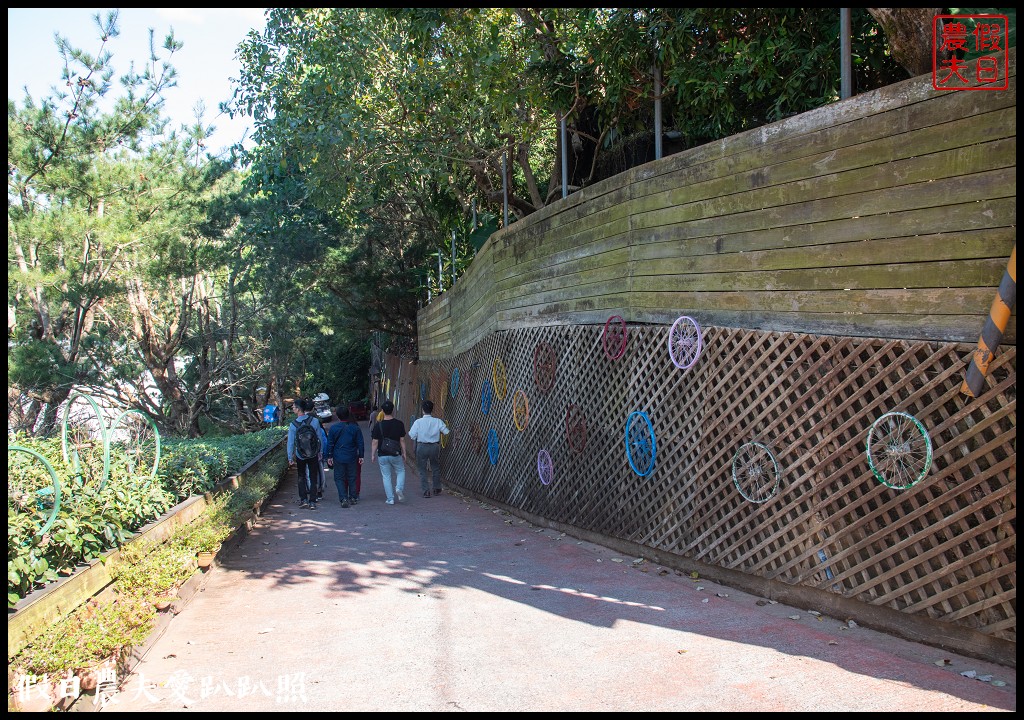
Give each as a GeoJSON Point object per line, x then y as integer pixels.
{"type": "Point", "coordinates": [685, 342]}
{"type": "Point", "coordinates": [545, 468]}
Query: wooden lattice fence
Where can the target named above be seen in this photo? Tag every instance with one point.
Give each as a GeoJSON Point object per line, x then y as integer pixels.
{"type": "Point", "coordinates": [944, 549]}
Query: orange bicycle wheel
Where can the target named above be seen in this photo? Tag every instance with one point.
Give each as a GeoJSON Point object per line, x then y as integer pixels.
{"type": "Point", "coordinates": [500, 378]}
{"type": "Point", "coordinates": [520, 410]}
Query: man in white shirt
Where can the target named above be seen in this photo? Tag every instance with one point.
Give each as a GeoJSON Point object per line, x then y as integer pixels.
{"type": "Point", "coordinates": [426, 432]}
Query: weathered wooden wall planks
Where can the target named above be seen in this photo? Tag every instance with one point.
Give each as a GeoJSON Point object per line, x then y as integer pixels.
{"type": "Point", "coordinates": [842, 263]}
{"type": "Point", "coordinates": [891, 214]}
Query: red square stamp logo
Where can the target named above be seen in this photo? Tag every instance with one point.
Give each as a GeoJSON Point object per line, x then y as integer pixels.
{"type": "Point", "coordinates": [969, 52]}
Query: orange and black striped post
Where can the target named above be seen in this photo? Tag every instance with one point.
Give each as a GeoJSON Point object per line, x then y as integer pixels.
{"type": "Point", "coordinates": [995, 326]}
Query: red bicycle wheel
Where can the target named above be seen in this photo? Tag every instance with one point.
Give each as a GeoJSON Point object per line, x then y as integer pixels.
{"type": "Point", "coordinates": [545, 365]}
{"type": "Point", "coordinates": [575, 428]}
{"type": "Point", "coordinates": [614, 337]}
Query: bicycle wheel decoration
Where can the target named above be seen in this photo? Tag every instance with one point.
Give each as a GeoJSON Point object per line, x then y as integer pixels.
{"type": "Point", "coordinates": [640, 443]}
{"type": "Point", "coordinates": [755, 472]}
{"type": "Point", "coordinates": [29, 491]}
{"type": "Point", "coordinates": [545, 364]}
{"type": "Point", "coordinates": [453, 385]}
{"type": "Point", "coordinates": [545, 468]}
{"type": "Point", "coordinates": [476, 439]}
{"type": "Point", "coordinates": [493, 449]}
{"type": "Point", "coordinates": [446, 440]}
{"type": "Point", "coordinates": [424, 390]}
{"type": "Point", "coordinates": [685, 342]}
{"type": "Point", "coordinates": [486, 397]}
{"type": "Point", "coordinates": [134, 436]}
{"type": "Point", "coordinates": [575, 429]}
{"type": "Point", "coordinates": [614, 337]}
{"type": "Point", "coordinates": [899, 450]}
{"type": "Point", "coordinates": [520, 410]}
{"type": "Point", "coordinates": [84, 441]}
{"type": "Point", "coordinates": [500, 379]}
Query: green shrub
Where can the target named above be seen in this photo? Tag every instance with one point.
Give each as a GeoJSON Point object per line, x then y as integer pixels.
{"type": "Point", "coordinates": [91, 634]}
{"type": "Point", "coordinates": [91, 520]}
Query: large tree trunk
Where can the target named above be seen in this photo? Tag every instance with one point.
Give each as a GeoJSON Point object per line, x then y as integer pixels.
{"type": "Point", "coordinates": [910, 34]}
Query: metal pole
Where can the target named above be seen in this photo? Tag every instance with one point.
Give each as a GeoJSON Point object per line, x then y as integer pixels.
{"type": "Point", "coordinates": [473, 206]}
{"type": "Point", "coordinates": [845, 59]}
{"type": "Point", "coordinates": [453, 258]}
{"type": "Point", "coordinates": [440, 276]}
{"type": "Point", "coordinates": [504, 186]}
{"type": "Point", "coordinates": [565, 159]}
{"type": "Point", "coordinates": [992, 333]}
{"type": "Point", "coordinates": [657, 113]}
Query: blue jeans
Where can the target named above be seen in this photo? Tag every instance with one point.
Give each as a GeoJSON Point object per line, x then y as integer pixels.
{"type": "Point", "coordinates": [345, 480]}
{"type": "Point", "coordinates": [428, 454]}
{"type": "Point", "coordinates": [389, 464]}
{"type": "Point", "coordinates": [307, 478]}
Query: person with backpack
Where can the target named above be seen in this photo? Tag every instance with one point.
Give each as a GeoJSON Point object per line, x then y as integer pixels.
{"type": "Point", "coordinates": [306, 441]}
{"type": "Point", "coordinates": [345, 455]}
{"type": "Point", "coordinates": [388, 448]}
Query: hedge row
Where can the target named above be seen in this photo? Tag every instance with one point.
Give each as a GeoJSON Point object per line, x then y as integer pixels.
{"type": "Point", "coordinates": [93, 519]}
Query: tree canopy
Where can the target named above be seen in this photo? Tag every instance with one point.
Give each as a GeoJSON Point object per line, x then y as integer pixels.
{"type": "Point", "coordinates": [401, 126]}
{"type": "Point", "coordinates": [197, 288]}
{"type": "Point", "coordinates": [139, 269]}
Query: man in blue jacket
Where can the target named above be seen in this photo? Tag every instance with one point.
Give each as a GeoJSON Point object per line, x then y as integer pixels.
{"type": "Point", "coordinates": [345, 455]}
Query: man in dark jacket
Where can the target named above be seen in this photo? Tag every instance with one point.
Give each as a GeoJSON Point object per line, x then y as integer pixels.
{"type": "Point", "coordinates": [345, 455]}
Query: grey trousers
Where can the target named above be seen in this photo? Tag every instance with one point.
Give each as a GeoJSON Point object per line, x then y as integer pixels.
{"type": "Point", "coordinates": [428, 454]}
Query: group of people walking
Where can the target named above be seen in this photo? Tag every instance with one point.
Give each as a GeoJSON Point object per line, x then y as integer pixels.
{"type": "Point", "coordinates": [342, 448]}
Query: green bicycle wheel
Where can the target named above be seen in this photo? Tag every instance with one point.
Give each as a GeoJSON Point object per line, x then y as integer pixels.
{"type": "Point", "coordinates": [899, 450]}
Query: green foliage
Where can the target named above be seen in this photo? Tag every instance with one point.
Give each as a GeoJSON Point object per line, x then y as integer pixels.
{"type": "Point", "coordinates": [381, 131]}
{"type": "Point", "coordinates": [93, 520]}
{"type": "Point", "coordinates": [93, 633]}
{"type": "Point", "coordinates": [971, 24]}
{"type": "Point", "coordinates": [127, 250]}
{"type": "Point", "coordinates": [146, 572]}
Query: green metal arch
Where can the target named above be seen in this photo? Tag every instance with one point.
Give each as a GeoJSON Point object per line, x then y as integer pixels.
{"type": "Point", "coordinates": [156, 434]}
{"type": "Point", "coordinates": [55, 490]}
{"type": "Point", "coordinates": [73, 458]}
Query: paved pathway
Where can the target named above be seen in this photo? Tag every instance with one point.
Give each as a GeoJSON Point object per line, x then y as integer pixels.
{"type": "Point", "coordinates": [449, 604]}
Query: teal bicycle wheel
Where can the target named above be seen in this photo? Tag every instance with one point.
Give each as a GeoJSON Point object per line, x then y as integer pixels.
{"type": "Point", "coordinates": [899, 450]}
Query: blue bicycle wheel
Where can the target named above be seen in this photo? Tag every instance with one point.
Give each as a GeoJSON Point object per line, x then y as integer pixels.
{"type": "Point", "coordinates": [493, 449]}
{"type": "Point", "coordinates": [453, 385]}
{"type": "Point", "coordinates": [640, 443]}
{"type": "Point", "coordinates": [486, 396]}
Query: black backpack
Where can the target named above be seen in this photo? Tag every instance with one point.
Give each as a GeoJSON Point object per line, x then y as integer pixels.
{"type": "Point", "coordinates": [307, 440]}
